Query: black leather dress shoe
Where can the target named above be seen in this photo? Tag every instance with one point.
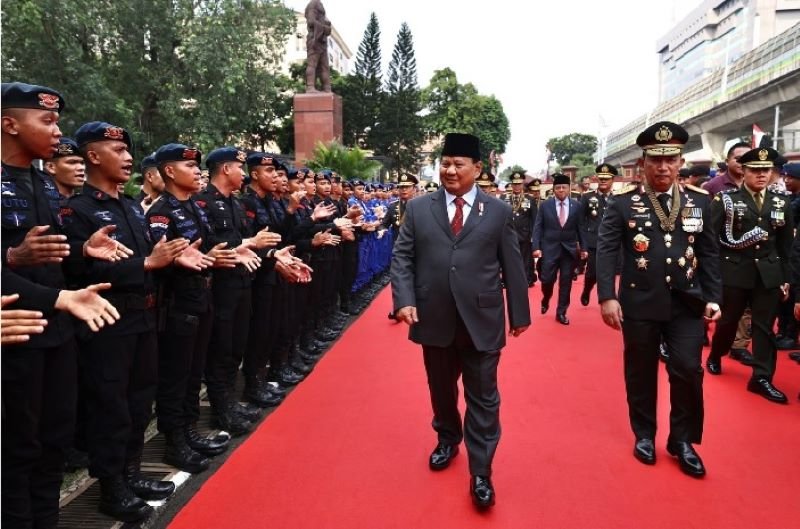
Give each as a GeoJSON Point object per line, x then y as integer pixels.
{"type": "Point", "coordinates": [645, 451]}
{"type": "Point", "coordinates": [545, 306]}
{"type": "Point", "coordinates": [585, 299]}
{"type": "Point", "coordinates": [764, 387]}
{"type": "Point", "coordinates": [663, 352]}
{"type": "Point", "coordinates": [795, 355]}
{"type": "Point", "coordinates": [741, 355]}
{"type": "Point", "coordinates": [786, 342]}
{"type": "Point", "coordinates": [562, 319]}
{"type": "Point", "coordinates": [482, 491]}
{"type": "Point", "coordinates": [689, 460]}
{"type": "Point", "coordinates": [713, 366]}
{"type": "Point", "coordinates": [442, 455]}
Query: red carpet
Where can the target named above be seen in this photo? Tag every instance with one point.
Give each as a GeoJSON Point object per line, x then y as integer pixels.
{"type": "Point", "coordinates": [349, 448]}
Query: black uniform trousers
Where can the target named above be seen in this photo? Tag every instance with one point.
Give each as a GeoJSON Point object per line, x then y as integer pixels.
{"type": "Point", "coordinates": [122, 375]}
{"type": "Point", "coordinates": [481, 427]}
{"type": "Point", "coordinates": [232, 307]}
{"type": "Point", "coordinates": [683, 334]}
{"type": "Point", "coordinates": [590, 279]}
{"type": "Point", "coordinates": [256, 355]}
{"type": "Point", "coordinates": [283, 324]}
{"type": "Point", "coordinates": [182, 348]}
{"type": "Point", "coordinates": [525, 248]}
{"type": "Point", "coordinates": [563, 265]}
{"type": "Point", "coordinates": [36, 429]}
{"type": "Point", "coordinates": [763, 303]}
{"type": "Point", "coordinates": [349, 271]}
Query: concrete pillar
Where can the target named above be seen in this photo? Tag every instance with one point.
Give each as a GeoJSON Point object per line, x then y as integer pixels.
{"type": "Point", "coordinates": [714, 144]}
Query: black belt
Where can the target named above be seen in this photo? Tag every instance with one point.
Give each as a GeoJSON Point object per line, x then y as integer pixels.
{"type": "Point", "coordinates": [132, 301]}
{"type": "Point", "coordinates": [191, 282]}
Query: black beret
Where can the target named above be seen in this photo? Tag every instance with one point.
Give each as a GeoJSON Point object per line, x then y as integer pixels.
{"type": "Point", "coordinates": [101, 131]}
{"type": "Point", "coordinates": [23, 95]}
{"type": "Point", "coordinates": [66, 147]}
{"type": "Point", "coordinates": [357, 183]}
{"type": "Point", "coordinates": [336, 179]}
{"type": "Point", "coordinates": [347, 184]}
{"type": "Point", "coordinates": [148, 161]}
{"type": "Point", "coordinates": [254, 159]}
{"type": "Point", "coordinates": [605, 170]}
{"type": "Point", "coordinates": [407, 180]}
{"type": "Point", "coordinates": [684, 172]}
{"type": "Point", "coordinates": [323, 174]}
{"type": "Point", "coordinates": [760, 157]}
{"type": "Point", "coordinates": [176, 152]}
{"type": "Point", "coordinates": [457, 144]}
{"type": "Point", "coordinates": [791, 170]}
{"type": "Point", "coordinates": [560, 179]}
{"type": "Point", "coordinates": [225, 154]}
{"type": "Point", "coordinates": [292, 174]}
{"type": "Point", "coordinates": [663, 139]}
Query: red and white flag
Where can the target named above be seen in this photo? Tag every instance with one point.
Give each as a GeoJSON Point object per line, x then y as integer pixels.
{"type": "Point", "coordinates": [757, 135]}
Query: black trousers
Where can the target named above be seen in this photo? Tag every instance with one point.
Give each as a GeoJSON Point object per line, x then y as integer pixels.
{"type": "Point", "coordinates": [590, 279]}
{"type": "Point", "coordinates": [563, 265]}
{"type": "Point", "coordinates": [481, 427]}
{"type": "Point", "coordinates": [122, 375]}
{"type": "Point", "coordinates": [683, 335]}
{"type": "Point", "coordinates": [763, 303]}
{"type": "Point", "coordinates": [257, 352]}
{"type": "Point", "coordinates": [349, 270]}
{"type": "Point", "coordinates": [525, 246]}
{"type": "Point", "coordinates": [182, 348]}
{"type": "Point", "coordinates": [39, 391]}
{"type": "Point", "coordinates": [232, 305]}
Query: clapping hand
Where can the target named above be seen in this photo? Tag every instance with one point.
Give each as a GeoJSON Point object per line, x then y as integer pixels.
{"type": "Point", "coordinates": [102, 246]}
{"type": "Point", "coordinates": [89, 306]}
{"type": "Point", "coordinates": [248, 258]}
{"type": "Point", "coordinates": [193, 259]}
{"type": "Point", "coordinates": [164, 252]}
{"type": "Point", "coordinates": [16, 326]}
{"type": "Point", "coordinates": [38, 248]}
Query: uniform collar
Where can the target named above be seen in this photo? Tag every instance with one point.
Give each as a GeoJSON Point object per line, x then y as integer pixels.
{"type": "Point", "coordinates": [90, 190]}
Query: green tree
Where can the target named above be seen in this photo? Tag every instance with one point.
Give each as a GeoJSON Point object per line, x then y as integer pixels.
{"type": "Point", "coordinates": [399, 133]}
{"type": "Point", "coordinates": [361, 92]}
{"type": "Point", "coordinates": [453, 107]}
{"type": "Point", "coordinates": [350, 163]}
{"type": "Point", "coordinates": [564, 148]}
{"type": "Point", "coordinates": [165, 70]}
{"type": "Point", "coordinates": [506, 173]}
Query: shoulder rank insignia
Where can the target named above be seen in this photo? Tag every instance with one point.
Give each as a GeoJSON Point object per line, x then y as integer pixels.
{"type": "Point", "coordinates": [696, 189]}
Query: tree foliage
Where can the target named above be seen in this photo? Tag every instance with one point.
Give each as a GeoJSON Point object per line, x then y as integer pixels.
{"type": "Point", "coordinates": [350, 163]}
{"type": "Point", "coordinates": [362, 91]}
{"type": "Point", "coordinates": [399, 134]}
{"type": "Point", "coordinates": [201, 72]}
{"type": "Point", "coordinates": [453, 107]}
{"type": "Point", "coordinates": [564, 149]}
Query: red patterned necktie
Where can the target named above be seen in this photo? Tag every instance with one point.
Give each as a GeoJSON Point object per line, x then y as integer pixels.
{"type": "Point", "coordinates": [458, 219]}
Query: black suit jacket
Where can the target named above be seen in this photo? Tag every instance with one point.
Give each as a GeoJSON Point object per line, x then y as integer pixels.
{"type": "Point", "coordinates": [445, 276]}
{"type": "Point", "coordinates": [550, 237]}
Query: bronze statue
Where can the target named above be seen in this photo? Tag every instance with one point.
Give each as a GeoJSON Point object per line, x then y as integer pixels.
{"type": "Point", "coordinates": [319, 29]}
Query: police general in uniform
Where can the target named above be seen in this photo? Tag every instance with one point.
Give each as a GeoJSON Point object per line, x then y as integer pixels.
{"type": "Point", "coordinates": [594, 205]}
{"type": "Point", "coordinates": [670, 281]}
{"type": "Point", "coordinates": [524, 215]}
{"type": "Point", "coordinates": [756, 230]}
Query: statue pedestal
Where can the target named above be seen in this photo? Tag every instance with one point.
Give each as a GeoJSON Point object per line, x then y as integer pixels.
{"type": "Point", "coordinates": [317, 118]}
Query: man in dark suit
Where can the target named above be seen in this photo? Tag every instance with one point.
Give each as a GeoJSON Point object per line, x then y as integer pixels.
{"type": "Point", "coordinates": [756, 229]}
{"type": "Point", "coordinates": [454, 246]}
{"type": "Point", "coordinates": [593, 207]}
{"type": "Point", "coordinates": [670, 281]}
{"type": "Point", "coordinates": [558, 241]}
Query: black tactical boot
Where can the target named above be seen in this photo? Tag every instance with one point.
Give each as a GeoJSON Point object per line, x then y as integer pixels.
{"type": "Point", "coordinates": [181, 456]}
{"type": "Point", "coordinates": [118, 501]}
{"type": "Point", "coordinates": [146, 488]}
{"type": "Point", "coordinates": [207, 446]}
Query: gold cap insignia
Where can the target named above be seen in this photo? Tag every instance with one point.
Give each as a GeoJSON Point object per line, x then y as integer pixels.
{"type": "Point", "coordinates": [664, 134]}
{"type": "Point", "coordinates": [604, 169]}
{"type": "Point", "coordinates": [763, 154]}
{"type": "Point", "coordinates": [65, 149]}
{"type": "Point", "coordinates": [404, 178]}
{"type": "Point", "coordinates": [266, 160]}
{"type": "Point", "coordinates": [241, 156]}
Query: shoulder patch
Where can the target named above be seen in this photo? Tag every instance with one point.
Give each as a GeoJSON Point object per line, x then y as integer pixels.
{"type": "Point", "coordinates": [697, 189]}
{"type": "Point", "coordinates": [627, 189]}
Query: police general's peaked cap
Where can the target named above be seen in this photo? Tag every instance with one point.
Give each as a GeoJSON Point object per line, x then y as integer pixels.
{"type": "Point", "coordinates": [458, 144]}
{"type": "Point", "coordinates": [663, 139]}
{"type": "Point", "coordinates": [605, 170]}
{"type": "Point", "coordinates": [518, 177]}
{"type": "Point", "coordinates": [23, 95]}
{"type": "Point", "coordinates": [407, 180]}
{"type": "Point", "coordinates": [95, 131]}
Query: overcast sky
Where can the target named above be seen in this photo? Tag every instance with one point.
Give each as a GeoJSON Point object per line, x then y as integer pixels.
{"type": "Point", "coordinates": [556, 66]}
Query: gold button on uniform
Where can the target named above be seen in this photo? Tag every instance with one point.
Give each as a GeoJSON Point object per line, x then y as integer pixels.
{"type": "Point", "coordinates": [668, 278]}
{"type": "Point", "coordinates": [669, 260]}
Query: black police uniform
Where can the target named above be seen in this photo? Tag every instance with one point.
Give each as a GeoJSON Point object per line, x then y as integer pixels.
{"type": "Point", "coordinates": [232, 296]}
{"type": "Point", "coordinates": [524, 216]}
{"type": "Point", "coordinates": [39, 376]}
{"type": "Point", "coordinates": [755, 252]}
{"type": "Point", "coordinates": [594, 205]}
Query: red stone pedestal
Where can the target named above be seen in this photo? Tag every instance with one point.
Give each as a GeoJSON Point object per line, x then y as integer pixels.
{"type": "Point", "coordinates": [317, 118]}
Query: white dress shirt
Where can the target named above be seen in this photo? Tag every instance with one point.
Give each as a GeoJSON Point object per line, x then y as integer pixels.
{"type": "Point", "coordinates": [469, 199]}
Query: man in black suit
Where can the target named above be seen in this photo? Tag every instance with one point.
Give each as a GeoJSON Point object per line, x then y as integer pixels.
{"type": "Point", "coordinates": [454, 246]}
{"type": "Point", "coordinates": [670, 281]}
{"type": "Point", "coordinates": [593, 207]}
{"type": "Point", "coordinates": [558, 241]}
{"type": "Point", "coordinates": [756, 229]}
